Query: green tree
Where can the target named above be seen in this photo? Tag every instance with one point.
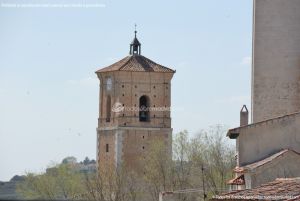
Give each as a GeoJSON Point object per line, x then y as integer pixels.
{"type": "Point", "coordinates": [204, 158]}
{"type": "Point", "coordinates": [157, 169]}
{"type": "Point", "coordinates": [86, 161]}
{"type": "Point", "coordinates": [112, 184]}
{"type": "Point", "coordinates": [59, 182]}
{"type": "Point", "coordinates": [207, 156]}
{"type": "Point", "coordinates": [211, 150]}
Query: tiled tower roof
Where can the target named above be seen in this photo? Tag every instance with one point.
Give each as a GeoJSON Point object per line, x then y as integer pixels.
{"type": "Point", "coordinates": [137, 63]}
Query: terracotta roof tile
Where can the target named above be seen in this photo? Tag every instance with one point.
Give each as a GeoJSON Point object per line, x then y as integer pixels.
{"type": "Point", "coordinates": [239, 180]}
{"type": "Point", "coordinates": [136, 63]}
{"type": "Point", "coordinates": [280, 189]}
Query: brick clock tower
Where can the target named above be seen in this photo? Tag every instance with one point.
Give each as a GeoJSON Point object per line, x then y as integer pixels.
{"type": "Point", "coordinates": [134, 109]}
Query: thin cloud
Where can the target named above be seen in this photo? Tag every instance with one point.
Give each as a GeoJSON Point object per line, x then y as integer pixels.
{"type": "Point", "coordinates": [2, 91]}
{"type": "Point", "coordinates": [183, 64]}
{"type": "Point", "coordinates": [112, 59]}
{"type": "Point", "coordinates": [246, 61]}
{"type": "Point", "coordinates": [88, 81]}
{"type": "Point", "coordinates": [242, 99]}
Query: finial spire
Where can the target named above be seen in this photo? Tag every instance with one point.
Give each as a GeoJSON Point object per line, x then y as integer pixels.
{"type": "Point", "coordinates": [135, 46]}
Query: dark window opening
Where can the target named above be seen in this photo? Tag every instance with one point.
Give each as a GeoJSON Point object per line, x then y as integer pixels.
{"type": "Point", "coordinates": [108, 108]}
{"type": "Point", "coordinates": [107, 148]}
{"type": "Point", "coordinates": [144, 109]}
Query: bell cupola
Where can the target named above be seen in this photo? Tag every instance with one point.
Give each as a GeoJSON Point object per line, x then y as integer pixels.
{"type": "Point", "coordinates": [135, 45]}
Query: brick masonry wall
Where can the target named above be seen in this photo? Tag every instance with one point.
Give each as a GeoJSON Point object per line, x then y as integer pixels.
{"type": "Point", "coordinates": [128, 138]}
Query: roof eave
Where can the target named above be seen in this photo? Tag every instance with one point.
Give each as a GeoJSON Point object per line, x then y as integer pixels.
{"type": "Point", "coordinates": [233, 134]}
{"type": "Point", "coordinates": [104, 71]}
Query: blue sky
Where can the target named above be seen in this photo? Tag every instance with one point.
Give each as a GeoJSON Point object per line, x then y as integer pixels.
{"type": "Point", "coordinates": [48, 56]}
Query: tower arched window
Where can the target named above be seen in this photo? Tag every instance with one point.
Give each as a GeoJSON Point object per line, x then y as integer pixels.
{"type": "Point", "coordinates": [108, 108]}
{"type": "Point", "coordinates": [144, 109]}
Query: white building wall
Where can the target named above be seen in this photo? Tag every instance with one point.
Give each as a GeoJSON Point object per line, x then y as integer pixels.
{"type": "Point", "coordinates": [276, 58]}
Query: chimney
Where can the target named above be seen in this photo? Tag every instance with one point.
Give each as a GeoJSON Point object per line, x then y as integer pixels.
{"type": "Point", "coordinates": [244, 116]}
